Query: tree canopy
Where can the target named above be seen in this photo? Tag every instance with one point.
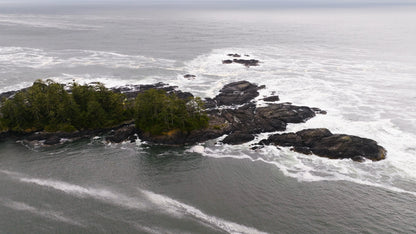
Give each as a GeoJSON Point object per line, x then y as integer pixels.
{"type": "Point", "coordinates": [50, 106]}
{"type": "Point", "coordinates": [158, 112]}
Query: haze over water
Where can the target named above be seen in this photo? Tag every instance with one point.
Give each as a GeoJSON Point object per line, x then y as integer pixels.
{"type": "Point", "coordinates": [355, 62]}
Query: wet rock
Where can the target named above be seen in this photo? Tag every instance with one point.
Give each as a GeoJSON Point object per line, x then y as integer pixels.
{"type": "Point", "coordinates": [323, 143]}
{"type": "Point", "coordinates": [346, 146]}
{"type": "Point", "coordinates": [285, 139]}
{"type": "Point", "coordinates": [310, 136]}
{"type": "Point", "coordinates": [237, 93]}
{"type": "Point", "coordinates": [237, 138]}
{"type": "Point", "coordinates": [234, 55]}
{"type": "Point", "coordinates": [318, 111]}
{"type": "Point", "coordinates": [227, 61]}
{"type": "Point", "coordinates": [122, 134]}
{"type": "Point", "coordinates": [189, 76]}
{"type": "Point", "coordinates": [271, 99]}
{"type": "Point", "coordinates": [286, 113]}
{"type": "Point", "coordinates": [247, 62]}
{"type": "Point", "coordinates": [52, 140]}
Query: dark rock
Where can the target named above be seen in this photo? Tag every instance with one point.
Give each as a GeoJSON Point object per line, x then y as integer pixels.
{"type": "Point", "coordinates": [247, 62]}
{"type": "Point", "coordinates": [210, 103]}
{"type": "Point", "coordinates": [318, 111]}
{"type": "Point", "coordinates": [285, 139]}
{"type": "Point", "coordinates": [189, 76]}
{"type": "Point", "coordinates": [237, 93]}
{"type": "Point", "coordinates": [227, 61]}
{"type": "Point", "coordinates": [310, 136]}
{"type": "Point", "coordinates": [234, 55]}
{"type": "Point", "coordinates": [322, 142]}
{"type": "Point", "coordinates": [346, 146]}
{"type": "Point", "coordinates": [53, 140]}
{"type": "Point", "coordinates": [271, 99]}
{"type": "Point", "coordinates": [302, 150]}
{"type": "Point", "coordinates": [286, 113]}
{"type": "Point", "coordinates": [122, 134]}
{"type": "Point", "coordinates": [183, 95]}
{"type": "Point", "coordinates": [238, 138]}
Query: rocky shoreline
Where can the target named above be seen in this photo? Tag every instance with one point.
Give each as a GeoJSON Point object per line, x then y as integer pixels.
{"type": "Point", "coordinates": [233, 113]}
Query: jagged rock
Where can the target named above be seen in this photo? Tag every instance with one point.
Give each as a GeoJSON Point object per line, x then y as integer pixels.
{"type": "Point", "coordinates": [189, 76]}
{"type": "Point", "coordinates": [285, 139]}
{"type": "Point", "coordinates": [309, 136]}
{"type": "Point", "coordinates": [122, 134]}
{"type": "Point", "coordinates": [347, 146]}
{"type": "Point", "coordinates": [323, 143]}
{"type": "Point", "coordinates": [247, 62]}
{"type": "Point", "coordinates": [237, 93]}
{"type": "Point", "coordinates": [237, 138]}
{"type": "Point", "coordinates": [271, 99]}
{"type": "Point", "coordinates": [286, 113]}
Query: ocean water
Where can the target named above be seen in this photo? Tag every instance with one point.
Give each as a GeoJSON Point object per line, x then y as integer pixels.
{"type": "Point", "coordinates": [358, 64]}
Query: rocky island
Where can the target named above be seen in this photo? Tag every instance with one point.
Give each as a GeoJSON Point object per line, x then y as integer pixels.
{"type": "Point", "coordinates": [232, 112]}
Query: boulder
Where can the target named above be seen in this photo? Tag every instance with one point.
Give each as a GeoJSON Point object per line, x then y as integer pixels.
{"type": "Point", "coordinates": [237, 138]}
{"type": "Point", "coordinates": [322, 142]}
{"type": "Point", "coordinates": [122, 134]}
{"type": "Point", "coordinates": [189, 76]}
{"type": "Point", "coordinates": [247, 62]}
{"type": "Point", "coordinates": [271, 99]}
{"type": "Point", "coordinates": [286, 113]}
{"type": "Point", "coordinates": [237, 93]}
{"type": "Point", "coordinates": [346, 146]}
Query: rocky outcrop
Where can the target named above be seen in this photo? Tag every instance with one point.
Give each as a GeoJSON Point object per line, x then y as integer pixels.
{"type": "Point", "coordinates": [237, 138]}
{"type": "Point", "coordinates": [245, 62]}
{"type": "Point", "coordinates": [323, 143]}
{"type": "Point", "coordinates": [232, 112]}
{"type": "Point", "coordinates": [237, 93]}
{"type": "Point", "coordinates": [272, 99]}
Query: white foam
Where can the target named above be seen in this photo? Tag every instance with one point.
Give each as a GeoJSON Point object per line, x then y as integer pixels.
{"type": "Point", "coordinates": [42, 59]}
{"type": "Point", "coordinates": [49, 214]}
{"type": "Point", "coordinates": [363, 96]}
{"type": "Point", "coordinates": [104, 195]}
{"type": "Point", "coordinates": [147, 203]}
{"type": "Point", "coordinates": [197, 149]}
{"type": "Point", "coordinates": [180, 209]}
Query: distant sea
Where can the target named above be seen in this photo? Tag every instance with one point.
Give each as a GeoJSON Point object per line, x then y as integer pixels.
{"type": "Point", "coordinates": [358, 64]}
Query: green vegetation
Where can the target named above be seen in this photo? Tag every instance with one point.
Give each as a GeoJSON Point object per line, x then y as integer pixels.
{"type": "Point", "coordinates": [50, 106]}
{"type": "Point", "coordinates": [158, 112]}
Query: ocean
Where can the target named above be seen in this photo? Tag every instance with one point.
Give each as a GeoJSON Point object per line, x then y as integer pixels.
{"type": "Point", "coordinates": [358, 64]}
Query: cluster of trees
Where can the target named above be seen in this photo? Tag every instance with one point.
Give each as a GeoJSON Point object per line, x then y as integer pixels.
{"type": "Point", "coordinates": [51, 106]}
{"type": "Point", "coordinates": [158, 112]}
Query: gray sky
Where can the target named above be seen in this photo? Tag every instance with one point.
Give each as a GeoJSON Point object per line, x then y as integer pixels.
{"type": "Point", "coordinates": [257, 3]}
